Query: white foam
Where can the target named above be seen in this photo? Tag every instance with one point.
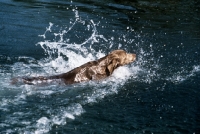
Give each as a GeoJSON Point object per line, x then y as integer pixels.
{"type": "Point", "coordinates": [43, 125]}
{"type": "Point", "coordinates": [60, 118]}
{"type": "Point", "coordinates": [68, 115]}
{"type": "Point", "coordinates": [122, 73]}
{"type": "Point", "coordinates": [196, 69]}
{"type": "Point", "coordinates": [183, 75]}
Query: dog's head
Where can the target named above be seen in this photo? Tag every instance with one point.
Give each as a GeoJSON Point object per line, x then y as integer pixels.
{"type": "Point", "coordinates": [119, 58]}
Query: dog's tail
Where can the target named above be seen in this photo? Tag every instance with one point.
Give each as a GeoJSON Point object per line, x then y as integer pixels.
{"type": "Point", "coordinates": [33, 80]}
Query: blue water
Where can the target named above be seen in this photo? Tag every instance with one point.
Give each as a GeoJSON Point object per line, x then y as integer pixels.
{"type": "Point", "coordinates": [159, 93]}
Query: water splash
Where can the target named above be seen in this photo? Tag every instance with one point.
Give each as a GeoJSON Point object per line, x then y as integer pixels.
{"type": "Point", "coordinates": [183, 75]}
{"type": "Point", "coordinates": [60, 49]}
{"type": "Point", "coordinates": [63, 54]}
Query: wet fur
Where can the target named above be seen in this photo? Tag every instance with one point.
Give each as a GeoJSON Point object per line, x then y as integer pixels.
{"type": "Point", "coordinates": [94, 70]}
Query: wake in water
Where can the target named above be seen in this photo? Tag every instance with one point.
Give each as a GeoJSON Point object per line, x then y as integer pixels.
{"type": "Point", "coordinates": [37, 109]}
{"type": "Point", "coordinates": [63, 54]}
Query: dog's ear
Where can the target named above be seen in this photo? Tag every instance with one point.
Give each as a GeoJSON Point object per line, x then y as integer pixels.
{"type": "Point", "coordinates": [113, 61]}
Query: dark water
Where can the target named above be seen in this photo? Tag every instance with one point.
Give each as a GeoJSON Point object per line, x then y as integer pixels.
{"type": "Point", "coordinates": [159, 93]}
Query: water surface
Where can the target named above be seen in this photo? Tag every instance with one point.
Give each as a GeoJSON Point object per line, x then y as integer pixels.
{"type": "Point", "coordinates": [159, 93]}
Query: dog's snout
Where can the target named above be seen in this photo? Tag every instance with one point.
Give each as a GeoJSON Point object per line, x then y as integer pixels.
{"type": "Point", "coordinates": [133, 57]}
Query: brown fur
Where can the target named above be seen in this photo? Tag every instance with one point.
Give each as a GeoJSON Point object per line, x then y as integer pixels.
{"type": "Point", "coordinates": [94, 70]}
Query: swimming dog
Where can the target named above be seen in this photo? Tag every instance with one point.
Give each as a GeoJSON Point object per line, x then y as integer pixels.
{"type": "Point", "coordinates": [93, 70]}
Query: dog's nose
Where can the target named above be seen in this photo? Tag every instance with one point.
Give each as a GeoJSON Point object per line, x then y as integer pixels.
{"type": "Point", "coordinates": [134, 56]}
